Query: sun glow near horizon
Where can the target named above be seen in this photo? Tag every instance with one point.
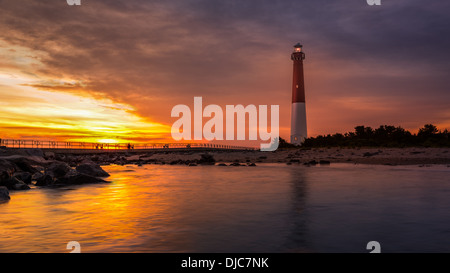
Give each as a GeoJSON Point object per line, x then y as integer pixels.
{"type": "Point", "coordinates": [28, 112]}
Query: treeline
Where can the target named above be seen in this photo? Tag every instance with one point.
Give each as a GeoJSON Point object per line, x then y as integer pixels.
{"type": "Point", "coordinates": [384, 136]}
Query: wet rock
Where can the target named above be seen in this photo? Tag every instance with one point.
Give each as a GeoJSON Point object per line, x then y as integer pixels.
{"type": "Point", "coordinates": [78, 179]}
{"type": "Point", "coordinates": [235, 164]}
{"type": "Point", "coordinates": [20, 186]}
{"type": "Point", "coordinates": [252, 165]}
{"type": "Point", "coordinates": [311, 163]}
{"type": "Point", "coordinates": [294, 161]}
{"type": "Point", "coordinates": [6, 169]}
{"type": "Point", "coordinates": [15, 184]}
{"type": "Point", "coordinates": [222, 164]}
{"type": "Point", "coordinates": [192, 164]}
{"type": "Point", "coordinates": [92, 170]}
{"type": "Point", "coordinates": [206, 159]}
{"type": "Point", "coordinates": [23, 176]}
{"type": "Point", "coordinates": [24, 165]}
{"type": "Point", "coordinates": [44, 180]}
{"type": "Point", "coordinates": [58, 169]}
{"type": "Point", "coordinates": [36, 176]}
{"type": "Point", "coordinates": [324, 162]}
{"type": "Point", "coordinates": [4, 194]}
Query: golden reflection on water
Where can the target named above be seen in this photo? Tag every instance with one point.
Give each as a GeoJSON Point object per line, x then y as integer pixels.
{"type": "Point", "coordinates": [143, 209]}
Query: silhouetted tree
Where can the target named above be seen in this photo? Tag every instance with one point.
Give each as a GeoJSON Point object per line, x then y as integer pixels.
{"type": "Point", "coordinates": [384, 136]}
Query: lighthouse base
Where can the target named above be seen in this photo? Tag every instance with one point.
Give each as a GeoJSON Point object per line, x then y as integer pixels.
{"type": "Point", "coordinates": [298, 123]}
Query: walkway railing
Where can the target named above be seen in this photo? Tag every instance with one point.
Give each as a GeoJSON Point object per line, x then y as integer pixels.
{"type": "Point", "coordinates": [48, 144]}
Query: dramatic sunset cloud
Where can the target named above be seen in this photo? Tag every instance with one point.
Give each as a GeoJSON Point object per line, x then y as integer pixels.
{"type": "Point", "coordinates": [114, 69]}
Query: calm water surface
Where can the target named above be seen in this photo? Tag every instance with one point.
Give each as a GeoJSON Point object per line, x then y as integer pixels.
{"type": "Point", "coordinates": [269, 208]}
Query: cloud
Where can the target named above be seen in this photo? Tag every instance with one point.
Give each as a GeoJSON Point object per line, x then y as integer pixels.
{"type": "Point", "coordinates": [156, 54]}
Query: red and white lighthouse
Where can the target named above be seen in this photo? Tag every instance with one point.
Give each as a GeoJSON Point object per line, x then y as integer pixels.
{"type": "Point", "coordinates": [298, 110]}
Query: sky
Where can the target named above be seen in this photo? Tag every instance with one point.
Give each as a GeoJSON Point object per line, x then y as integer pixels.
{"type": "Point", "coordinates": [112, 71]}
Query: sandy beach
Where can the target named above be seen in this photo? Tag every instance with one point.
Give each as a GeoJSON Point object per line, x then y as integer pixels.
{"type": "Point", "coordinates": [384, 156]}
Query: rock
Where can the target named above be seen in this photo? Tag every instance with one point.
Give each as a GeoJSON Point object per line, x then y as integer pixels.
{"type": "Point", "coordinates": [252, 165]}
{"type": "Point", "coordinates": [35, 152]}
{"type": "Point", "coordinates": [79, 179]}
{"type": "Point", "coordinates": [311, 163]}
{"type": "Point", "coordinates": [4, 194]}
{"type": "Point", "coordinates": [92, 170]}
{"type": "Point", "coordinates": [58, 169]}
{"type": "Point", "coordinates": [324, 162]}
{"type": "Point", "coordinates": [49, 155]}
{"type": "Point", "coordinates": [235, 164]}
{"type": "Point", "coordinates": [15, 184]}
{"type": "Point", "coordinates": [206, 159]}
{"type": "Point", "coordinates": [20, 186]}
{"type": "Point", "coordinates": [289, 163]}
{"type": "Point", "coordinates": [192, 164]}
{"type": "Point", "coordinates": [222, 164]}
{"type": "Point", "coordinates": [36, 176]}
{"type": "Point", "coordinates": [44, 180]}
{"type": "Point", "coordinates": [294, 161]}
{"type": "Point", "coordinates": [24, 164]}
{"type": "Point", "coordinates": [6, 169]}
{"type": "Point", "coordinates": [23, 176]}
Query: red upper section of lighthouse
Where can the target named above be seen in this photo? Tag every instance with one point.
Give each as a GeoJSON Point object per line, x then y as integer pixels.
{"type": "Point", "coordinates": [298, 83]}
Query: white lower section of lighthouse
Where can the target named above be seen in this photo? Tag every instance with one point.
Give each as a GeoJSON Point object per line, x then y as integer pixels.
{"type": "Point", "coordinates": [298, 123]}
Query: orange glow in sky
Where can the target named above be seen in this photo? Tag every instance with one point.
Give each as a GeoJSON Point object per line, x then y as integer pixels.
{"type": "Point", "coordinates": [110, 72]}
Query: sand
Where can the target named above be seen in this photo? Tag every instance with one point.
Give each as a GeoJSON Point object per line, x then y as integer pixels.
{"type": "Point", "coordinates": [386, 156]}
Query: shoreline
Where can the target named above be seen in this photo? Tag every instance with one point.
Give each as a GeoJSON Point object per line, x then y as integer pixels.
{"type": "Point", "coordinates": [373, 156]}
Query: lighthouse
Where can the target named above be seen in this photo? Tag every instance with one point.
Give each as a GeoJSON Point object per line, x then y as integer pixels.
{"type": "Point", "coordinates": [298, 110]}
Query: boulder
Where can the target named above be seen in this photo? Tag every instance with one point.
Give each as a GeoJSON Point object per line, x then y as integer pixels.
{"type": "Point", "coordinates": [4, 194]}
{"type": "Point", "coordinates": [36, 176]}
{"type": "Point", "coordinates": [20, 186]}
{"type": "Point", "coordinates": [24, 164]}
{"type": "Point", "coordinates": [35, 152]}
{"type": "Point", "coordinates": [49, 155]}
{"type": "Point", "coordinates": [6, 169]}
{"type": "Point", "coordinates": [311, 163]}
{"type": "Point", "coordinates": [207, 159]}
{"type": "Point", "coordinates": [15, 184]}
{"type": "Point", "coordinates": [44, 180]}
{"type": "Point", "coordinates": [58, 169]}
{"type": "Point", "coordinates": [23, 176]}
{"type": "Point", "coordinates": [92, 170]}
{"type": "Point", "coordinates": [324, 162]}
{"type": "Point", "coordinates": [79, 179]}
{"type": "Point", "coordinates": [7, 166]}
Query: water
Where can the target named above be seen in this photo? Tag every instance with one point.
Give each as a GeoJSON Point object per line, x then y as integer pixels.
{"type": "Point", "coordinates": [269, 208]}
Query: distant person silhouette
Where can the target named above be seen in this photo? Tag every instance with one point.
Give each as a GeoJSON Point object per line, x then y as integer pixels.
{"type": "Point", "coordinates": [129, 146]}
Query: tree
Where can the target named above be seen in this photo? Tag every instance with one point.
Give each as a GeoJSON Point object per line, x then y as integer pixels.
{"type": "Point", "coordinates": [428, 130]}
